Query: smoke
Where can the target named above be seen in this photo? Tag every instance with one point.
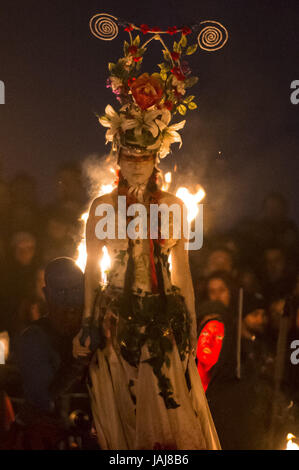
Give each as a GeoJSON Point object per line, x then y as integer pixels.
{"type": "Point", "coordinates": [98, 172]}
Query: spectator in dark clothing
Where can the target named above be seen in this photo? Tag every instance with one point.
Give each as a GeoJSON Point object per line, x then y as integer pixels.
{"type": "Point", "coordinates": [47, 343]}
{"type": "Point", "coordinates": [240, 408]}
{"type": "Point", "coordinates": [71, 197]}
{"type": "Point", "coordinates": [57, 239]}
{"type": "Point", "coordinates": [44, 350]}
{"type": "Point", "coordinates": [220, 287]}
{"type": "Point", "coordinates": [276, 275]}
{"type": "Point", "coordinates": [19, 277]}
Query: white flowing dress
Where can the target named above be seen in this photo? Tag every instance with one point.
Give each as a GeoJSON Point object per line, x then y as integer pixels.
{"type": "Point", "coordinates": [128, 411]}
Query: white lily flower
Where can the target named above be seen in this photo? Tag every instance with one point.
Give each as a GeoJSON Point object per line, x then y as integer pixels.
{"type": "Point", "coordinates": [170, 136]}
{"type": "Point", "coordinates": [115, 122]}
{"type": "Point", "coordinates": [165, 119]}
{"type": "Point", "coordinates": [145, 120]}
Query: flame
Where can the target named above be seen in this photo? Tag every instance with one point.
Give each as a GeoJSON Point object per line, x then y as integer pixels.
{"type": "Point", "coordinates": [191, 200]}
{"type": "Point", "coordinates": [82, 255]}
{"type": "Point", "coordinates": [4, 347]}
{"type": "Point", "coordinates": [170, 262]}
{"type": "Point", "coordinates": [290, 444]}
{"type": "Point", "coordinates": [167, 181]}
{"type": "Point", "coordinates": [105, 265]}
{"type": "Point", "coordinates": [105, 189]}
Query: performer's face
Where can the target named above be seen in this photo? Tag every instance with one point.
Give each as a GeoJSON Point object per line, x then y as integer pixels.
{"type": "Point", "coordinates": [210, 343]}
{"type": "Point", "coordinates": [136, 168]}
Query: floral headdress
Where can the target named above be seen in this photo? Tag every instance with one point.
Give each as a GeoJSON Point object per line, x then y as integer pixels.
{"type": "Point", "coordinates": [149, 102]}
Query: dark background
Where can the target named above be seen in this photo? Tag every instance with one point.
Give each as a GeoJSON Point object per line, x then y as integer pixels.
{"type": "Point", "coordinates": [55, 72]}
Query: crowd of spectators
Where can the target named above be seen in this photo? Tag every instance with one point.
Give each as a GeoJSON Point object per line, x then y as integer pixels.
{"type": "Point", "coordinates": [31, 236]}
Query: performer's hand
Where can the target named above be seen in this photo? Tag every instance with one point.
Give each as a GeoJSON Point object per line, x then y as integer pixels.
{"type": "Point", "coordinates": [109, 323]}
{"type": "Point", "coordinates": [78, 349]}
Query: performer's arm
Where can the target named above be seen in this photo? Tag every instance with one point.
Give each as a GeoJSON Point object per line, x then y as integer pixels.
{"type": "Point", "coordinates": [94, 246]}
{"type": "Point", "coordinates": [181, 277]}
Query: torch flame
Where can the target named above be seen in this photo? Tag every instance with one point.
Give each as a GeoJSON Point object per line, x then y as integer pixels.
{"type": "Point", "coordinates": [191, 200]}
{"type": "Point", "coordinates": [167, 181]}
{"type": "Point", "coordinates": [82, 255]}
{"type": "Point", "coordinates": [290, 444]}
{"type": "Point", "coordinates": [105, 265]}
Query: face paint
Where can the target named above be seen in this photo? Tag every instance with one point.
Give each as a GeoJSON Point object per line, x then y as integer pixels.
{"type": "Point", "coordinates": [136, 168]}
{"type": "Point", "coordinates": [210, 343]}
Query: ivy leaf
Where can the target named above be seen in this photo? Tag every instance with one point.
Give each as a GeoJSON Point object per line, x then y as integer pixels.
{"type": "Point", "coordinates": [164, 67]}
{"type": "Point", "coordinates": [166, 55]}
{"type": "Point", "coordinates": [190, 82]}
{"type": "Point", "coordinates": [191, 49]}
{"type": "Point", "coordinates": [192, 105]}
{"type": "Point", "coordinates": [163, 76]}
{"type": "Point", "coordinates": [189, 99]}
{"type": "Point", "coordinates": [111, 66]}
{"type": "Point", "coordinates": [176, 47]}
{"type": "Point", "coordinates": [182, 109]}
{"type": "Point", "coordinates": [126, 48]}
{"type": "Point", "coordinates": [136, 41]}
{"type": "Point", "coordinates": [183, 41]}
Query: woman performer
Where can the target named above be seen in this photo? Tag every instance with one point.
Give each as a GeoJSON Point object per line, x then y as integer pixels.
{"type": "Point", "coordinates": [145, 390]}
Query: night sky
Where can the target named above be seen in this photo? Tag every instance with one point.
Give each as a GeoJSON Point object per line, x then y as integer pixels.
{"type": "Point", "coordinates": [55, 72]}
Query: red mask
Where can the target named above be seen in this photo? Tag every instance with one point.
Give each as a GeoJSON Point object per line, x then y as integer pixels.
{"type": "Point", "coordinates": [208, 348]}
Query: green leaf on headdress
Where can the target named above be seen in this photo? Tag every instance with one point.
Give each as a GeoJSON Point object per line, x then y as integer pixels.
{"type": "Point", "coordinates": [190, 82]}
{"type": "Point", "coordinates": [176, 47]}
{"type": "Point", "coordinates": [189, 99]}
{"type": "Point", "coordinates": [166, 55]}
{"type": "Point", "coordinates": [111, 66]}
{"type": "Point", "coordinates": [163, 76]}
{"type": "Point", "coordinates": [164, 67]}
{"type": "Point", "coordinates": [156, 75]}
{"type": "Point", "coordinates": [183, 41]}
{"type": "Point", "coordinates": [141, 51]}
{"type": "Point", "coordinates": [192, 105]}
{"type": "Point", "coordinates": [136, 41]}
{"type": "Point", "coordinates": [126, 48]}
{"type": "Point", "coordinates": [191, 49]}
{"type": "Point", "coordinates": [182, 109]}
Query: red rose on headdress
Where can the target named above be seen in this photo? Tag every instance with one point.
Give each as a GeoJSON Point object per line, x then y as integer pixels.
{"type": "Point", "coordinates": [168, 105]}
{"type": "Point", "coordinates": [176, 71]}
{"type": "Point", "coordinates": [155, 29]}
{"type": "Point", "coordinates": [144, 28]}
{"type": "Point", "coordinates": [186, 30]}
{"type": "Point", "coordinates": [129, 28]}
{"type": "Point", "coordinates": [172, 30]}
{"type": "Point", "coordinates": [147, 91]}
{"type": "Point", "coordinates": [175, 55]}
{"type": "Point", "coordinates": [133, 50]}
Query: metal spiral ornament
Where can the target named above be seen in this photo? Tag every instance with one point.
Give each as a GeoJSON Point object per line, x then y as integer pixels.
{"type": "Point", "coordinates": [213, 36]}
{"type": "Point", "coordinates": [104, 27]}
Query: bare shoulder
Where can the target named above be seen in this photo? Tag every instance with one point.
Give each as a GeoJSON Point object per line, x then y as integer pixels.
{"type": "Point", "coordinates": [168, 198]}
{"type": "Point", "coordinates": [104, 199]}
